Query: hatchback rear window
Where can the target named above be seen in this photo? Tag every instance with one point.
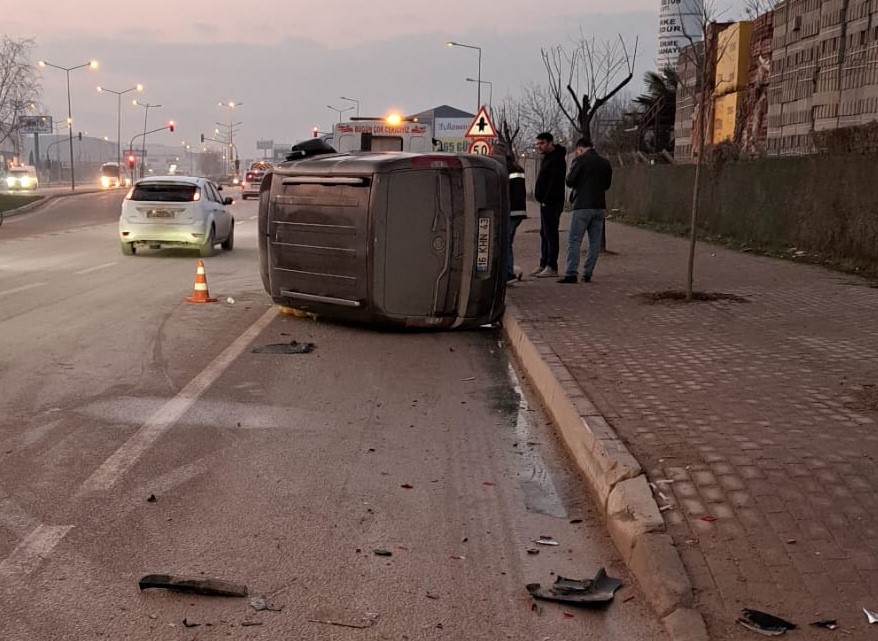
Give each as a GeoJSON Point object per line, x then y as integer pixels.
{"type": "Point", "coordinates": [255, 177]}
{"type": "Point", "coordinates": [164, 192]}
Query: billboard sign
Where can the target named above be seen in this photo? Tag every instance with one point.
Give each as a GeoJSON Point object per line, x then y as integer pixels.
{"type": "Point", "coordinates": [680, 24]}
{"type": "Point", "coordinates": [266, 145]}
{"type": "Point", "coordinates": [35, 124]}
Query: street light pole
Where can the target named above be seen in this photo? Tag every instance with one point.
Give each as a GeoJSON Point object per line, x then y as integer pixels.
{"type": "Point", "coordinates": [490, 90]}
{"type": "Point", "coordinates": [353, 100]}
{"type": "Point", "coordinates": [92, 64]}
{"type": "Point", "coordinates": [479, 77]}
{"type": "Point", "coordinates": [147, 106]}
{"type": "Point", "coordinates": [119, 95]}
{"type": "Point", "coordinates": [231, 105]}
{"type": "Point", "coordinates": [339, 111]}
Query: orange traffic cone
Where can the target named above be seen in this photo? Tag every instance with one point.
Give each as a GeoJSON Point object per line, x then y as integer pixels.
{"type": "Point", "coordinates": [200, 293]}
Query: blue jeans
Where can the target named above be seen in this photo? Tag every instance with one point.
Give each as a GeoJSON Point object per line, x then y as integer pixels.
{"type": "Point", "coordinates": [514, 222]}
{"type": "Point", "coordinates": [582, 221]}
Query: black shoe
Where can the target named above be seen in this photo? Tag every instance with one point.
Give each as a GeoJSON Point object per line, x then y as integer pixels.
{"type": "Point", "coordinates": [567, 279]}
{"type": "Point", "coordinates": [586, 279]}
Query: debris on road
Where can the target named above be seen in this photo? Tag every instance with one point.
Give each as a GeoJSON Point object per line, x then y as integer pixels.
{"type": "Point", "coordinates": [407, 486]}
{"type": "Point", "coordinates": [532, 551]}
{"type": "Point", "coordinates": [345, 619]}
{"type": "Point", "coordinates": [381, 552]}
{"type": "Point", "coordinates": [709, 518]}
{"type": "Point", "coordinates": [871, 617]}
{"type": "Point", "coordinates": [466, 380]}
{"type": "Point", "coordinates": [250, 623]}
{"type": "Point", "coordinates": [576, 521]}
{"type": "Point", "coordinates": [458, 557]}
{"type": "Point", "coordinates": [293, 347]}
{"type": "Point", "coordinates": [189, 624]}
{"type": "Point", "coordinates": [586, 592]}
{"type": "Point", "coordinates": [204, 587]}
{"type": "Point", "coordinates": [151, 498]}
{"type": "Point", "coordinates": [546, 540]}
{"type": "Point", "coordinates": [829, 624]}
{"type": "Point", "coordinates": [764, 623]}
{"type": "Point", "coordinates": [260, 603]}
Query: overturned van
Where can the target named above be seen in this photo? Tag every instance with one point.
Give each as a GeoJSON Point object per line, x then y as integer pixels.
{"type": "Point", "coordinates": [399, 239]}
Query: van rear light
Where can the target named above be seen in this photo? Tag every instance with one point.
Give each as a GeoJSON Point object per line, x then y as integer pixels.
{"type": "Point", "coordinates": [437, 162]}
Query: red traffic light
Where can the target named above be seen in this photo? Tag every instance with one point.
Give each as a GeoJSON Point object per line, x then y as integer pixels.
{"type": "Point", "coordinates": [171, 126]}
{"type": "Point", "coordinates": [315, 131]}
{"type": "Point", "coordinates": [131, 161]}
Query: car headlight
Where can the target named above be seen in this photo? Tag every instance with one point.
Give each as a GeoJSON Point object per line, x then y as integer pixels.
{"type": "Point", "coordinates": [26, 181]}
{"type": "Point", "coordinates": [105, 182]}
{"type": "Point", "coordinates": [10, 181]}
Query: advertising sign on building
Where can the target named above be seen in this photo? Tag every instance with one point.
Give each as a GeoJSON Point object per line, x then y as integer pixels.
{"type": "Point", "coordinates": [266, 145]}
{"type": "Point", "coordinates": [451, 133]}
{"type": "Point", "coordinates": [35, 124]}
{"type": "Point", "coordinates": [680, 24]}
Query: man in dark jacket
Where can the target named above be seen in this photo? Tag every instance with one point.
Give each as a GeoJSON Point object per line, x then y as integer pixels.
{"type": "Point", "coordinates": [549, 192]}
{"type": "Point", "coordinates": [590, 177]}
{"type": "Point", "coordinates": [517, 210]}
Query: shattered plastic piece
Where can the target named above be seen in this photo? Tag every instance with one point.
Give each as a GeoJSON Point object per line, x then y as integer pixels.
{"type": "Point", "coordinates": [710, 518]}
{"type": "Point", "coordinates": [545, 540]}
{"type": "Point", "coordinates": [568, 615]}
{"type": "Point", "coordinates": [250, 623]}
{"type": "Point", "coordinates": [432, 596]}
{"type": "Point", "coordinates": [204, 587]}
{"type": "Point", "coordinates": [151, 498]}
{"type": "Point", "coordinates": [458, 557]}
{"type": "Point", "coordinates": [532, 551]}
{"type": "Point", "coordinates": [188, 624]}
{"type": "Point", "coordinates": [407, 486]}
{"type": "Point", "coordinates": [380, 552]}
{"type": "Point", "coordinates": [345, 619]}
{"type": "Point", "coordinates": [293, 347]}
{"type": "Point", "coordinates": [764, 623]}
{"type": "Point", "coordinates": [575, 521]}
{"type": "Point", "coordinates": [586, 592]}
{"type": "Point", "coordinates": [230, 300]}
{"type": "Point", "coordinates": [872, 617]}
{"type": "Point", "coordinates": [829, 624]}
{"type": "Point", "coordinates": [260, 603]}
{"type": "Point", "coordinates": [466, 380]}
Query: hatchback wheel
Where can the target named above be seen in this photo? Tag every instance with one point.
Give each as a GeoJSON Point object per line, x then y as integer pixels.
{"type": "Point", "coordinates": [229, 243]}
{"type": "Point", "coordinates": [207, 249]}
{"type": "Point", "coordinates": [128, 249]}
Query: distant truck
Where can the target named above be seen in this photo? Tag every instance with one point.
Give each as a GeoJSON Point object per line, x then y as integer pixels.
{"type": "Point", "coordinates": [113, 176]}
{"type": "Point", "coordinates": [382, 134]}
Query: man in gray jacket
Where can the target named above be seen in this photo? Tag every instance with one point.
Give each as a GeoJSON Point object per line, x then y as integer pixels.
{"type": "Point", "coordinates": [590, 177]}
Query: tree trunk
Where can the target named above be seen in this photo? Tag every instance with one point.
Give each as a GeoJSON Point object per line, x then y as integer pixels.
{"type": "Point", "coordinates": [693, 223]}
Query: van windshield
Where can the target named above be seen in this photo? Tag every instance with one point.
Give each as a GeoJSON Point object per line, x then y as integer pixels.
{"type": "Point", "coordinates": [111, 171]}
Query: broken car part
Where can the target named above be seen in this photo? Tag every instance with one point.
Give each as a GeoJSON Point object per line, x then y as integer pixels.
{"type": "Point", "coordinates": [190, 585]}
{"type": "Point", "coordinates": [584, 592]}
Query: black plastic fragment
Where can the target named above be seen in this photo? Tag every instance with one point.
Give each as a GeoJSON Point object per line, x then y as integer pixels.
{"type": "Point", "coordinates": [190, 585]}
{"type": "Point", "coordinates": [764, 623]}
{"type": "Point", "coordinates": [293, 347]}
{"type": "Point", "coordinates": [586, 592]}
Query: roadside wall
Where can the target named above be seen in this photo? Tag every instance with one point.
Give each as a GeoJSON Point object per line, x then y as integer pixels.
{"type": "Point", "coordinates": [819, 204]}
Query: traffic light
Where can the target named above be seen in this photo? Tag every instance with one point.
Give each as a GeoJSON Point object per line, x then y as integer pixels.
{"type": "Point", "coordinates": [131, 161]}
{"type": "Point", "coordinates": [171, 126]}
{"type": "Point", "coordinates": [202, 137]}
{"type": "Point", "coordinates": [315, 131]}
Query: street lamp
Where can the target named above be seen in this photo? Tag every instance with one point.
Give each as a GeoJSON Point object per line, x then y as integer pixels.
{"type": "Point", "coordinates": [92, 64]}
{"type": "Point", "coordinates": [339, 111]}
{"type": "Point", "coordinates": [479, 77]}
{"type": "Point", "coordinates": [147, 106]}
{"type": "Point", "coordinates": [231, 105]}
{"type": "Point", "coordinates": [119, 95]}
{"type": "Point", "coordinates": [490, 90]}
{"type": "Point", "coordinates": [353, 100]}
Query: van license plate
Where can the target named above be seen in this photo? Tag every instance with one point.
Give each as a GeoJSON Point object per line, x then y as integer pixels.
{"type": "Point", "coordinates": [159, 213]}
{"type": "Point", "coordinates": [483, 257]}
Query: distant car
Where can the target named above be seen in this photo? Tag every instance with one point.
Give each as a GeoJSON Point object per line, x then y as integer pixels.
{"type": "Point", "coordinates": [113, 176]}
{"type": "Point", "coordinates": [22, 178]}
{"type": "Point", "coordinates": [251, 184]}
{"type": "Point", "coordinates": [176, 211]}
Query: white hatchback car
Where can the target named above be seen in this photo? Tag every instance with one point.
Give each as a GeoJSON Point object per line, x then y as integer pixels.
{"type": "Point", "coordinates": [176, 211]}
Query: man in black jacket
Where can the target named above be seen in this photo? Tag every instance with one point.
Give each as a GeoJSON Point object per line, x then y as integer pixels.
{"type": "Point", "coordinates": [549, 192]}
{"type": "Point", "coordinates": [590, 177]}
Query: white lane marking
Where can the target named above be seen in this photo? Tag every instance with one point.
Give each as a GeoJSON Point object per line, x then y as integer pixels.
{"type": "Point", "coordinates": [27, 556]}
{"type": "Point", "coordinates": [164, 419]}
{"type": "Point", "coordinates": [83, 272]}
{"type": "Point", "coordinates": [23, 288]}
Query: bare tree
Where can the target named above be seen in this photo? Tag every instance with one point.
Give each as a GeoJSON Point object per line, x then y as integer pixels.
{"type": "Point", "coordinates": [703, 55]}
{"type": "Point", "coordinates": [587, 76]}
{"type": "Point", "coordinates": [19, 85]}
{"type": "Point", "coordinates": [540, 111]}
{"type": "Point", "coordinates": [508, 117]}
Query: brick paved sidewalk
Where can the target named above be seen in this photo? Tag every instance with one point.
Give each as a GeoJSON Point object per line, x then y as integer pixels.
{"type": "Point", "coordinates": [764, 414]}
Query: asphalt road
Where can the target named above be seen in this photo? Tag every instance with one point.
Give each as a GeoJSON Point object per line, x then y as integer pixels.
{"type": "Point", "coordinates": [283, 472]}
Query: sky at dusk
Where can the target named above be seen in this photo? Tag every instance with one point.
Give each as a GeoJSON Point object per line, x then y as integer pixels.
{"type": "Point", "coordinates": [287, 61]}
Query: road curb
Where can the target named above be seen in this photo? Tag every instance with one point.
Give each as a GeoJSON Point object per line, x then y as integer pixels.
{"type": "Point", "coordinates": [615, 478]}
{"type": "Point", "coordinates": [45, 200]}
